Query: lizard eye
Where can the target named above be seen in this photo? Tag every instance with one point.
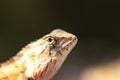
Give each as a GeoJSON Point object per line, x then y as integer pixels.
{"type": "Point", "coordinates": [50, 39]}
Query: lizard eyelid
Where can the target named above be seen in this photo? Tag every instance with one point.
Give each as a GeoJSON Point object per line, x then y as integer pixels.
{"type": "Point", "coordinates": [50, 39]}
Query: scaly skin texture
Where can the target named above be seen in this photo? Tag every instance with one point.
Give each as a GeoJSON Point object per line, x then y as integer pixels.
{"type": "Point", "coordinates": [39, 60]}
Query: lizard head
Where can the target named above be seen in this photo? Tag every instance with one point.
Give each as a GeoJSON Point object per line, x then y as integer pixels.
{"type": "Point", "coordinates": [60, 42]}
{"type": "Point", "coordinates": [50, 52]}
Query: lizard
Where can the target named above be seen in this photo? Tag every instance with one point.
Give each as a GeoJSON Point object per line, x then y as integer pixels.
{"type": "Point", "coordinates": [41, 59]}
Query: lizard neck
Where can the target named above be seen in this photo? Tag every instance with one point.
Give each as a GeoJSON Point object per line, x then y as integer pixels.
{"type": "Point", "coordinates": [13, 69]}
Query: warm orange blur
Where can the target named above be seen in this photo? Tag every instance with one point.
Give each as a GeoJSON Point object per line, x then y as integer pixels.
{"type": "Point", "coordinates": [109, 71]}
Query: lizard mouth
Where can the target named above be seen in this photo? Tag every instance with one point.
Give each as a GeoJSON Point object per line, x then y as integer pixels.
{"type": "Point", "coordinates": [64, 46]}
{"type": "Point", "coordinates": [68, 45]}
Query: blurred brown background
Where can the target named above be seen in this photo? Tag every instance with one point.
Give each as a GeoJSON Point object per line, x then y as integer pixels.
{"type": "Point", "coordinates": [95, 22]}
